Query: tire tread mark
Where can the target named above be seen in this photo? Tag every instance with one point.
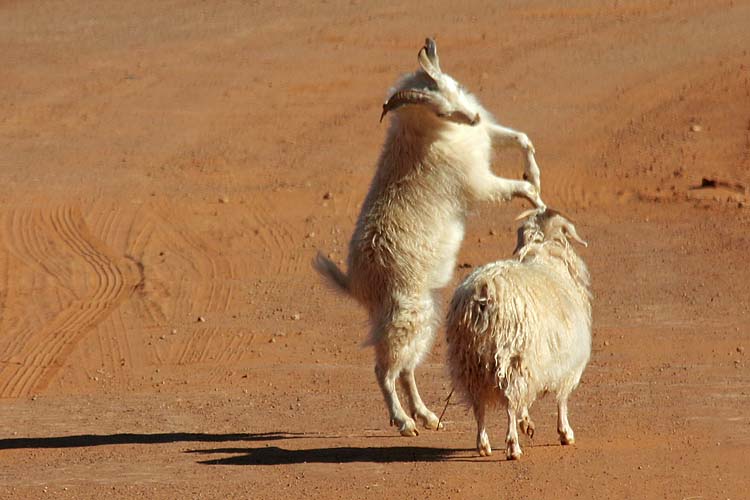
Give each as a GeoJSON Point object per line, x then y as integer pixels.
{"type": "Point", "coordinates": [42, 358]}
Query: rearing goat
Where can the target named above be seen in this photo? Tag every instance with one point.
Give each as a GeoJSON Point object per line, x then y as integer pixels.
{"type": "Point", "coordinates": [434, 163]}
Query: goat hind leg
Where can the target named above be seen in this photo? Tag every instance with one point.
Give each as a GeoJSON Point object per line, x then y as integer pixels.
{"type": "Point", "coordinates": [563, 426]}
{"type": "Point", "coordinates": [418, 409]}
{"type": "Point", "coordinates": [387, 380]}
{"type": "Point", "coordinates": [526, 424]}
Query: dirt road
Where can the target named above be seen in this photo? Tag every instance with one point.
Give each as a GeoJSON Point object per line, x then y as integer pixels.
{"type": "Point", "coordinates": [168, 170]}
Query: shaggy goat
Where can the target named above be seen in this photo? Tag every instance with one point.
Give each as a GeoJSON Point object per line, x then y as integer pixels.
{"type": "Point", "coordinates": [434, 163]}
{"type": "Point", "coordinates": [519, 328]}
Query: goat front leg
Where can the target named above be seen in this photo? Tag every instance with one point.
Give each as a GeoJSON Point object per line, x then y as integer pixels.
{"type": "Point", "coordinates": [531, 171]}
{"type": "Point", "coordinates": [483, 440]}
{"type": "Point", "coordinates": [512, 447]}
{"type": "Point", "coordinates": [502, 189]}
{"type": "Point", "coordinates": [506, 137]}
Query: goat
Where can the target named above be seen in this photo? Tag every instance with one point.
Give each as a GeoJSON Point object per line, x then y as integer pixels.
{"type": "Point", "coordinates": [434, 163]}
{"type": "Point", "coordinates": [520, 328]}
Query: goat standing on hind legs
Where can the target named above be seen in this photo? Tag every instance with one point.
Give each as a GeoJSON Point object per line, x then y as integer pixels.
{"type": "Point", "coordinates": [435, 162]}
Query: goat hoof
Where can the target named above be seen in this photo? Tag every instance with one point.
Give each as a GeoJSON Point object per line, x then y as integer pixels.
{"type": "Point", "coordinates": [527, 427]}
{"type": "Point", "coordinates": [408, 429]}
{"type": "Point", "coordinates": [513, 451]}
{"type": "Point", "coordinates": [567, 440]}
{"type": "Point", "coordinates": [430, 421]}
{"type": "Point", "coordinates": [434, 426]}
{"type": "Point", "coordinates": [485, 450]}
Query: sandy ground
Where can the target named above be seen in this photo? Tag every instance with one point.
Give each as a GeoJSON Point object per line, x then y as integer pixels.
{"type": "Point", "coordinates": [168, 170]}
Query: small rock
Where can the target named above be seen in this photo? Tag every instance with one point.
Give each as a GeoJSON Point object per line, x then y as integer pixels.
{"type": "Point", "coordinates": [696, 128]}
{"type": "Point", "coordinates": [174, 331]}
{"type": "Point", "coordinates": [296, 316]}
{"type": "Point", "coordinates": [272, 340]}
{"type": "Point", "coordinates": [328, 195]}
{"type": "Point", "coordinates": [162, 337]}
{"type": "Point", "coordinates": [606, 342]}
{"type": "Point", "coordinates": [740, 349]}
{"type": "Point", "coordinates": [201, 319]}
{"type": "Point", "coordinates": [224, 199]}
{"type": "Point", "coordinates": [311, 234]}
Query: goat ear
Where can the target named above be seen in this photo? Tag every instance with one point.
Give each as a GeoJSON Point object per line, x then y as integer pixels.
{"type": "Point", "coordinates": [460, 117]}
{"type": "Point", "coordinates": [428, 60]}
{"type": "Point", "coordinates": [431, 48]}
{"type": "Point", "coordinates": [570, 230]}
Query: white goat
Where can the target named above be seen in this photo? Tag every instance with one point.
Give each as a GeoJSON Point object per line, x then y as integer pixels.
{"type": "Point", "coordinates": [434, 163]}
{"type": "Point", "coordinates": [520, 328]}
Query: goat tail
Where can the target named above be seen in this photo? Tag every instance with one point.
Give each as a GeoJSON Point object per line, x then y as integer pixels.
{"type": "Point", "coordinates": [329, 270]}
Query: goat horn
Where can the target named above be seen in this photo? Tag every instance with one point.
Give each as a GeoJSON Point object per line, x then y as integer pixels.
{"type": "Point", "coordinates": [527, 213]}
{"type": "Point", "coordinates": [404, 97]}
{"type": "Point", "coordinates": [571, 231]}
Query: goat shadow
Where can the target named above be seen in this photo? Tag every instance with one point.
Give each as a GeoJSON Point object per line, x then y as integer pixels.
{"type": "Point", "coordinates": [273, 455]}
{"type": "Point", "coordinates": [89, 440]}
{"type": "Point", "coordinates": [264, 455]}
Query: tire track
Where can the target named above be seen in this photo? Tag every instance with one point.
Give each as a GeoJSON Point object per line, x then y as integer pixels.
{"type": "Point", "coordinates": [25, 246]}
{"type": "Point", "coordinates": [114, 225]}
{"type": "Point", "coordinates": [216, 345]}
{"type": "Point", "coordinates": [276, 239]}
{"type": "Point", "coordinates": [195, 260]}
{"type": "Point", "coordinates": [197, 348]}
{"type": "Point", "coordinates": [105, 286]}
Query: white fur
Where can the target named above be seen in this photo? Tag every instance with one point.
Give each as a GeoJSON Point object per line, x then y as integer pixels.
{"type": "Point", "coordinates": [521, 328]}
{"type": "Point", "coordinates": [409, 231]}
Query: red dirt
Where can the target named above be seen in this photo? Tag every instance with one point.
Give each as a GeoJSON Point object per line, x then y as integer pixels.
{"type": "Point", "coordinates": [167, 162]}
